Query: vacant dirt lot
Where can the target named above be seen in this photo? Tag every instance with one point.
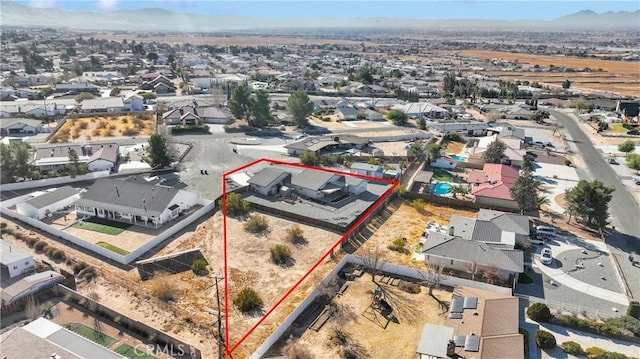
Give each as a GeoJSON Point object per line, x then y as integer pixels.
{"type": "Point", "coordinates": [617, 76]}
{"type": "Point", "coordinates": [100, 127]}
{"type": "Point", "coordinates": [407, 222]}
{"type": "Point", "coordinates": [367, 331]}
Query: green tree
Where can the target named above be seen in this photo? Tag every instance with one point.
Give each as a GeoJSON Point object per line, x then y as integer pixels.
{"type": "Point", "coordinates": [152, 56]}
{"type": "Point", "coordinates": [300, 107]}
{"type": "Point", "coordinates": [235, 204]}
{"type": "Point", "coordinates": [84, 96]}
{"type": "Point", "coordinates": [398, 117]}
{"type": "Point", "coordinates": [494, 152]}
{"type": "Point", "coordinates": [433, 152]}
{"type": "Point", "coordinates": [240, 102]}
{"type": "Point", "coordinates": [527, 162]}
{"type": "Point", "coordinates": [545, 340]}
{"type": "Point", "coordinates": [539, 116]}
{"type": "Point", "coordinates": [199, 266]}
{"type": "Point", "coordinates": [459, 189]}
{"type": "Point", "coordinates": [524, 191]}
{"type": "Point", "coordinates": [75, 163]}
{"type": "Point", "coordinates": [539, 312]}
{"type": "Point", "coordinates": [16, 162]}
{"type": "Point", "coordinates": [158, 151]}
{"type": "Point", "coordinates": [589, 202]}
{"type": "Point", "coordinates": [422, 123]}
{"type": "Point", "coordinates": [309, 158]}
{"type": "Point", "coordinates": [418, 152]}
{"type": "Point", "coordinates": [633, 161]}
{"type": "Point", "coordinates": [260, 109]}
{"type": "Point", "coordinates": [627, 146]}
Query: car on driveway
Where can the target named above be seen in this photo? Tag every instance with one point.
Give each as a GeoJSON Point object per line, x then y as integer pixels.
{"type": "Point", "coordinates": [636, 180]}
{"type": "Point", "coordinates": [633, 132]}
{"type": "Point", "coordinates": [545, 256]}
{"type": "Point", "coordinates": [613, 161]}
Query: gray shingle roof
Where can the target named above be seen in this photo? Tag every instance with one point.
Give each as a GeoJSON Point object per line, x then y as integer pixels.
{"type": "Point", "coordinates": [366, 167]}
{"type": "Point", "coordinates": [105, 153]}
{"type": "Point", "coordinates": [52, 197]}
{"type": "Point", "coordinates": [510, 222]}
{"type": "Point", "coordinates": [476, 252]}
{"type": "Point", "coordinates": [8, 121]}
{"type": "Point", "coordinates": [140, 199]}
{"type": "Point", "coordinates": [462, 226]}
{"type": "Point", "coordinates": [266, 176]}
{"type": "Point", "coordinates": [486, 232]}
{"type": "Point", "coordinates": [312, 180]}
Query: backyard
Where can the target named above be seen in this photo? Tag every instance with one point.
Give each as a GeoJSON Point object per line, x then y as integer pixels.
{"type": "Point", "coordinates": [93, 335]}
{"type": "Point", "coordinates": [102, 226]}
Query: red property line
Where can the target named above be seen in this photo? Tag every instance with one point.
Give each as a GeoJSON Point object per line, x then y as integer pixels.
{"type": "Point", "coordinates": [394, 183]}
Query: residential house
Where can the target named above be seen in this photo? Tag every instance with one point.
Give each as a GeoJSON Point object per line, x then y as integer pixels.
{"type": "Point", "coordinates": [103, 159]}
{"type": "Point", "coordinates": [372, 115]}
{"type": "Point", "coordinates": [630, 110]}
{"type": "Point", "coordinates": [57, 157]}
{"type": "Point", "coordinates": [194, 115]}
{"type": "Point", "coordinates": [466, 128]}
{"type": "Point", "coordinates": [24, 80]}
{"type": "Point", "coordinates": [347, 113]}
{"type": "Point", "coordinates": [492, 227]}
{"type": "Point", "coordinates": [316, 184]}
{"type": "Point", "coordinates": [518, 112]}
{"type": "Point", "coordinates": [367, 169]}
{"type": "Point", "coordinates": [19, 126]}
{"type": "Point", "coordinates": [487, 324]}
{"type": "Point", "coordinates": [133, 102]}
{"type": "Point", "coordinates": [327, 144]}
{"type": "Point", "coordinates": [513, 153]}
{"type": "Point", "coordinates": [435, 342]}
{"type": "Point", "coordinates": [36, 108]}
{"type": "Point", "coordinates": [135, 202]}
{"type": "Point", "coordinates": [14, 260]}
{"type": "Point", "coordinates": [103, 104]}
{"type": "Point", "coordinates": [77, 88]}
{"type": "Point", "coordinates": [491, 185]}
{"type": "Point", "coordinates": [158, 79]}
{"type": "Point", "coordinates": [30, 285]}
{"type": "Point", "coordinates": [507, 131]}
{"type": "Point", "coordinates": [45, 204]}
{"type": "Point", "coordinates": [269, 180]}
{"type": "Point", "coordinates": [419, 109]}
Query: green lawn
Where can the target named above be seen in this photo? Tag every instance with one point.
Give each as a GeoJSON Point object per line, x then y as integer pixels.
{"type": "Point", "coordinates": [97, 337]}
{"type": "Point", "coordinates": [442, 175]}
{"type": "Point", "coordinates": [102, 225]}
{"type": "Point", "coordinates": [113, 248]}
{"type": "Point", "coordinates": [131, 352]}
{"type": "Point", "coordinates": [616, 128]}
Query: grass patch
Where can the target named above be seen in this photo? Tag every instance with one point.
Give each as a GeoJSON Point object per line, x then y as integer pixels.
{"type": "Point", "coordinates": [95, 336]}
{"type": "Point", "coordinates": [524, 279]}
{"type": "Point", "coordinates": [102, 226]}
{"type": "Point", "coordinates": [616, 128]}
{"type": "Point", "coordinates": [113, 248]}
{"type": "Point", "coordinates": [131, 352]}
{"type": "Point", "coordinates": [442, 175]}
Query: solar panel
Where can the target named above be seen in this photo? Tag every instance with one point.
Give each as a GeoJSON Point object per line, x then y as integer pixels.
{"type": "Point", "coordinates": [472, 343]}
{"type": "Point", "coordinates": [470, 303]}
{"type": "Point", "coordinates": [455, 315]}
{"type": "Point", "coordinates": [456, 305]}
{"type": "Point", "coordinates": [459, 340]}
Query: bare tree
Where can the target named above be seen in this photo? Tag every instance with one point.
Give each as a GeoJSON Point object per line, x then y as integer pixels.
{"type": "Point", "coordinates": [491, 274]}
{"type": "Point", "coordinates": [472, 267]}
{"type": "Point", "coordinates": [31, 309]}
{"type": "Point", "coordinates": [372, 260]}
{"type": "Point", "coordinates": [432, 276]}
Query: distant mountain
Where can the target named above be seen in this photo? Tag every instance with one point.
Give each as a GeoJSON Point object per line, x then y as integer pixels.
{"type": "Point", "coordinates": [156, 19]}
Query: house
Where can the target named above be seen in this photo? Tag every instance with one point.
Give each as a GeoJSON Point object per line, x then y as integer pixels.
{"type": "Point", "coordinates": [268, 180]}
{"type": "Point", "coordinates": [103, 104]}
{"type": "Point", "coordinates": [491, 185]}
{"type": "Point", "coordinates": [327, 144]}
{"type": "Point", "coordinates": [487, 324]}
{"type": "Point", "coordinates": [367, 170]}
{"type": "Point", "coordinates": [77, 88]}
{"type": "Point", "coordinates": [514, 147]}
{"type": "Point", "coordinates": [194, 115]}
{"type": "Point", "coordinates": [434, 342]}
{"type": "Point", "coordinates": [372, 115]}
{"type": "Point", "coordinates": [317, 184]}
{"type": "Point", "coordinates": [133, 102]}
{"type": "Point", "coordinates": [30, 285]}
{"type": "Point", "coordinates": [57, 157]}
{"type": "Point", "coordinates": [518, 112]}
{"type": "Point", "coordinates": [629, 110]}
{"type": "Point", "coordinates": [492, 227]}
{"type": "Point", "coordinates": [455, 253]}
{"type": "Point", "coordinates": [14, 260]}
{"type": "Point", "coordinates": [103, 159]}
{"type": "Point", "coordinates": [45, 204]}
{"type": "Point", "coordinates": [419, 109]}
{"type": "Point", "coordinates": [507, 131]}
{"type": "Point", "coordinates": [19, 126]}
{"type": "Point", "coordinates": [44, 336]}
{"type": "Point", "coordinates": [347, 113]}
{"type": "Point", "coordinates": [466, 128]}
{"type": "Point", "coordinates": [135, 202]}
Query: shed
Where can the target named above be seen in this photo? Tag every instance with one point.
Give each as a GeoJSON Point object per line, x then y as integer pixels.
{"type": "Point", "coordinates": [14, 259]}
{"type": "Point", "coordinates": [39, 207]}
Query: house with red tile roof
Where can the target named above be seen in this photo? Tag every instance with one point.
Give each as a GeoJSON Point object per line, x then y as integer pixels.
{"type": "Point", "coordinates": [491, 185]}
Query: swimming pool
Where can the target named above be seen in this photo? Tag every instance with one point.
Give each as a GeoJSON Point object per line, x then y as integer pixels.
{"type": "Point", "coordinates": [441, 188]}
{"type": "Point", "coordinates": [458, 158]}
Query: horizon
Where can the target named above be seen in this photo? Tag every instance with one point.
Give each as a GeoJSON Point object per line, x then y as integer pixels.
{"type": "Point", "coordinates": [429, 10]}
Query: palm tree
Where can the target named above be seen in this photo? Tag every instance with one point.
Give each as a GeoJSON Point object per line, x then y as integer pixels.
{"type": "Point", "coordinates": [459, 189]}
{"type": "Point", "coordinates": [542, 200]}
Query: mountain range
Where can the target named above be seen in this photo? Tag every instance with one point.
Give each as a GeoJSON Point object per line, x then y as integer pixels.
{"type": "Point", "coordinates": [157, 19]}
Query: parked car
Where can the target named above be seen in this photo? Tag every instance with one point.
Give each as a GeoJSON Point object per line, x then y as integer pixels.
{"type": "Point", "coordinates": [545, 232]}
{"type": "Point", "coordinates": [549, 144]}
{"type": "Point", "coordinates": [545, 256]}
{"type": "Point", "coordinates": [633, 132]}
{"type": "Point", "coordinates": [539, 144]}
{"type": "Point", "coordinates": [636, 180]}
{"type": "Point", "coordinates": [613, 161]}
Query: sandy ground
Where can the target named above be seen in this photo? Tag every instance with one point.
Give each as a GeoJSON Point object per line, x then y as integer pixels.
{"type": "Point", "coordinates": [454, 148]}
{"type": "Point", "coordinates": [366, 326]}
{"type": "Point", "coordinates": [109, 127]}
{"type": "Point", "coordinates": [407, 222]}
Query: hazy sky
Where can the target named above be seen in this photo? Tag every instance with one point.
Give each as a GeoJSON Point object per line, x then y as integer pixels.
{"type": "Point", "coordinates": [427, 9]}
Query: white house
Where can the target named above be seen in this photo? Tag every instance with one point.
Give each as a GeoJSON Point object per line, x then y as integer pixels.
{"type": "Point", "coordinates": [444, 163]}
{"type": "Point", "coordinates": [268, 180]}
{"type": "Point", "coordinates": [418, 109]}
{"type": "Point", "coordinates": [103, 104]}
{"type": "Point", "coordinates": [317, 184]}
{"type": "Point", "coordinates": [367, 170]}
{"type": "Point", "coordinates": [104, 159]}
{"type": "Point", "coordinates": [20, 126]}
{"type": "Point", "coordinates": [45, 204]}
{"type": "Point", "coordinates": [14, 259]}
{"type": "Point", "coordinates": [133, 102]}
{"type": "Point", "coordinates": [347, 113]}
{"type": "Point", "coordinates": [135, 202]}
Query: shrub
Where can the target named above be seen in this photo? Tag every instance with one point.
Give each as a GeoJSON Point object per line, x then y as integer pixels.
{"type": "Point", "coordinates": [40, 246]}
{"type": "Point", "coordinates": [599, 353]}
{"type": "Point", "coordinates": [572, 348]}
{"type": "Point", "coordinates": [235, 204]}
{"type": "Point", "coordinates": [256, 224]}
{"type": "Point", "coordinates": [295, 234]}
{"type": "Point", "coordinates": [409, 287]}
{"type": "Point", "coordinates": [539, 312]}
{"type": "Point", "coordinates": [195, 128]}
{"type": "Point", "coordinates": [198, 266]}
{"type": "Point", "coordinates": [78, 267]}
{"type": "Point", "coordinates": [130, 131]}
{"type": "Point", "coordinates": [634, 309]}
{"type": "Point", "coordinates": [400, 249]}
{"type": "Point", "coordinates": [418, 203]}
{"type": "Point", "coordinates": [545, 340]}
{"type": "Point", "coordinates": [281, 254]}
{"type": "Point", "coordinates": [567, 163]}
{"type": "Point", "coordinates": [163, 288]}
{"type": "Point", "coordinates": [248, 301]}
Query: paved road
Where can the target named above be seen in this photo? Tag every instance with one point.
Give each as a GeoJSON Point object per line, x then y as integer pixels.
{"type": "Point", "coordinates": [624, 209]}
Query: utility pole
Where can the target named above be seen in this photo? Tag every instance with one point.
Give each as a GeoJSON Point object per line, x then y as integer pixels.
{"type": "Point", "coordinates": [220, 338]}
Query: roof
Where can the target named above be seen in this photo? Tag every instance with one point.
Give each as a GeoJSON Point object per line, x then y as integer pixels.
{"type": "Point", "coordinates": [320, 142]}
{"type": "Point", "coordinates": [462, 226]}
{"type": "Point", "coordinates": [68, 340]}
{"type": "Point", "coordinates": [102, 102]}
{"type": "Point", "coordinates": [423, 176]}
{"type": "Point", "coordinates": [76, 86]}
{"type": "Point", "coordinates": [498, 190]}
{"type": "Point", "coordinates": [52, 197]}
{"type": "Point", "coordinates": [266, 176]}
{"type": "Point", "coordinates": [6, 122]}
{"type": "Point", "coordinates": [500, 316]}
{"type": "Point", "coordinates": [62, 150]}
{"type": "Point", "coordinates": [502, 347]}
{"type": "Point", "coordinates": [366, 167]}
{"type": "Point", "coordinates": [10, 253]}
{"type": "Point", "coordinates": [347, 111]}
{"type": "Point", "coordinates": [23, 287]}
{"type": "Point", "coordinates": [30, 345]}
{"type": "Point", "coordinates": [108, 153]}
{"type": "Point", "coordinates": [476, 252]}
{"type": "Point", "coordinates": [434, 340]}
{"type": "Point", "coordinates": [511, 222]}
{"type": "Point", "coordinates": [139, 199]}
{"type": "Point", "coordinates": [313, 180]}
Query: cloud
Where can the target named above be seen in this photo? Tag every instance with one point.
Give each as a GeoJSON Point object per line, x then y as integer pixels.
{"type": "Point", "coordinates": [107, 4]}
{"type": "Point", "coordinates": [42, 3]}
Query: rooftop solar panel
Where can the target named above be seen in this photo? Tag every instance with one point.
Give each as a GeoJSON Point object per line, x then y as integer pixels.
{"type": "Point", "coordinates": [459, 340]}
{"type": "Point", "coordinates": [470, 303]}
{"type": "Point", "coordinates": [472, 343]}
{"type": "Point", "coordinates": [455, 315]}
{"type": "Point", "coordinates": [456, 305]}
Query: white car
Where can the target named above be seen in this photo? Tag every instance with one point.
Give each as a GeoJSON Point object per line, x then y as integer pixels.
{"type": "Point", "coordinates": [636, 180]}
{"type": "Point", "coordinates": [545, 256]}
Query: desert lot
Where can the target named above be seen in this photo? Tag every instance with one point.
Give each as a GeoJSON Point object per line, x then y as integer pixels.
{"type": "Point", "coordinates": [111, 127]}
